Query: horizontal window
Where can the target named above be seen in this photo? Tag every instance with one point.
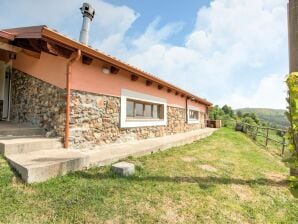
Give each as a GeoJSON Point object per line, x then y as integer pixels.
{"type": "Point", "coordinates": [193, 115]}
{"type": "Point", "coordinates": [143, 110]}
{"type": "Point", "coordinates": [139, 109]}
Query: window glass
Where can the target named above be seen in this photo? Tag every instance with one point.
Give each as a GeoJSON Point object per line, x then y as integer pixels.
{"type": "Point", "coordinates": [148, 112]}
{"type": "Point", "coordinates": [139, 109]}
{"type": "Point", "coordinates": [129, 108]}
{"type": "Point", "coordinates": [155, 113]}
{"type": "Point", "coordinates": [194, 115]}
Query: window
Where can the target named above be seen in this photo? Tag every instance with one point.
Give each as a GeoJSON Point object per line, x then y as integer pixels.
{"type": "Point", "coordinates": [143, 110]}
{"type": "Point", "coordinates": [193, 116]}
{"type": "Point", "coordinates": [139, 110]}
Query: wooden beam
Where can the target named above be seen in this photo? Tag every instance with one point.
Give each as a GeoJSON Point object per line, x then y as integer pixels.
{"type": "Point", "coordinates": [134, 77]}
{"type": "Point", "coordinates": [149, 82]}
{"type": "Point", "coordinates": [33, 54]}
{"type": "Point", "coordinates": [114, 70]}
{"type": "Point", "coordinates": [169, 90]}
{"type": "Point", "coordinates": [55, 49]}
{"type": "Point", "coordinates": [160, 87]}
{"type": "Point", "coordinates": [188, 97]}
{"type": "Point", "coordinates": [176, 93]}
{"type": "Point", "coordinates": [182, 95]}
{"type": "Point", "coordinates": [86, 60]}
{"type": "Point", "coordinates": [9, 47]}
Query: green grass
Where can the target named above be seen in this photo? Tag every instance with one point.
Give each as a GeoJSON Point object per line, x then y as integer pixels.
{"type": "Point", "coordinates": [225, 178]}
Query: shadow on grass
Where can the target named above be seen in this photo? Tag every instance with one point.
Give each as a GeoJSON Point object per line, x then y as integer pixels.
{"type": "Point", "coordinates": [202, 181]}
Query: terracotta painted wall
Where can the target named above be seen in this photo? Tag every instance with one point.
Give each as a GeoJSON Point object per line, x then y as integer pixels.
{"type": "Point", "coordinates": [90, 78]}
{"type": "Point", "coordinates": [49, 68]}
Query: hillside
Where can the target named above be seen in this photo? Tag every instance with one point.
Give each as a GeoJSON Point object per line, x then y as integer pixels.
{"type": "Point", "coordinates": [273, 116]}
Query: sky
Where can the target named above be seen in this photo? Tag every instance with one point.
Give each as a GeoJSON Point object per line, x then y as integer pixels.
{"type": "Point", "coordinates": [231, 52]}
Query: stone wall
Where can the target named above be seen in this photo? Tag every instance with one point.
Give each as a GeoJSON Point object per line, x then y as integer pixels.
{"type": "Point", "coordinates": [95, 121]}
{"type": "Point", "coordinates": [37, 102]}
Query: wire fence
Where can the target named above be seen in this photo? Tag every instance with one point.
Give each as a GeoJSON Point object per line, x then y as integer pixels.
{"type": "Point", "coordinates": [273, 138]}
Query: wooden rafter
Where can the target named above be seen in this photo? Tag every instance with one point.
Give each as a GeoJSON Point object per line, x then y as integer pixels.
{"type": "Point", "coordinates": [86, 60]}
{"type": "Point", "coordinates": [149, 82]}
{"type": "Point", "coordinates": [134, 77]}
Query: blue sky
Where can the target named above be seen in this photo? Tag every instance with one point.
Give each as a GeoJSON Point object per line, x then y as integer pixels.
{"type": "Point", "coordinates": [228, 51]}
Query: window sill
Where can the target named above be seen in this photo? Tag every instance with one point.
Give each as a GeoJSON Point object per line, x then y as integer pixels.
{"type": "Point", "coordinates": [193, 122]}
{"type": "Point", "coordinates": [142, 123]}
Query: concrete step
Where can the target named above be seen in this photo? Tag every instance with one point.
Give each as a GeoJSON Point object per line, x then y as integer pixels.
{"type": "Point", "coordinates": [42, 165]}
{"type": "Point", "coordinates": [38, 166]}
{"type": "Point", "coordinates": [28, 131]}
{"type": "Point", "coordinates": [16, 145]}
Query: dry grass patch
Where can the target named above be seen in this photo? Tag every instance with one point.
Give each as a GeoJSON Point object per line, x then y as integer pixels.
{"type": "Point", "coordinates": [244, 192]}
{"type": "Point", "coordinates": [208, 168]}
{"type": "Point", "coordinates": [188, 159]}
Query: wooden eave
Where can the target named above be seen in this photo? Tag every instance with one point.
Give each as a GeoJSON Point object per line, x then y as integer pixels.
{"type": "Point", "coordinates": [47, 34]}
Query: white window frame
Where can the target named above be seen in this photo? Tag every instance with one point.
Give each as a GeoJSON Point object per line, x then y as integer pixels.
{"type": "Point", "coordinates": [193, 121]}
{"type": "Point", "coordinates": [131, 123]}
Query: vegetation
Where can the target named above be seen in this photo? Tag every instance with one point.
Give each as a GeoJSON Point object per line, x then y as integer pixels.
{"type": "Point", "coordinates": [268, 117]}
{"type": "Point", "coordinates": [292, 159]}
{"type": "Point", "coordinates": [225, 178]}
{"type": "Point", "coordinates": [226, 114]}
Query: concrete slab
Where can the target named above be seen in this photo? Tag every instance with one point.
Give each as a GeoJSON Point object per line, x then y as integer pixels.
{"type": "Point", "coordinates": [108, 154]}
{"type": "Point", "coordinates": [12, 145]}
{"type": "Point", "coordinates": [8, 128]}
{"type": "Point", "coordinates": [42, 165]}
{"type": "Point", "coordinates": [124, 168]}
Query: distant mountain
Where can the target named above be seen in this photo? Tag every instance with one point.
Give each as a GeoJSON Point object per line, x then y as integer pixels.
{"type": "Point", "coordinates": [275, 117]}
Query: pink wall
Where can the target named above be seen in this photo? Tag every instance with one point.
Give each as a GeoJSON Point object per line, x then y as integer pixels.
{"type": "Point", "coordinates": [49, 68]}
{"type": "Point", "coordinates": [90, 78]}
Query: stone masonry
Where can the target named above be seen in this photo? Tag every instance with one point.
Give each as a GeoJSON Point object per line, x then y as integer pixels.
{"type": "Point", "coordinates": [37, 102]}
{"type": "Point", "coordinates": [95, 121]}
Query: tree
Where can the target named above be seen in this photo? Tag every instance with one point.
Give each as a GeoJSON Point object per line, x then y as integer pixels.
{"type": "Point", "coordinates": [292, 160]}
{"type": "Point", "coordinates": [216, 113]}
{"type": "Point", "coordinates": [239, 113]}
{"type": "Point", "coordinates": [228, 110]}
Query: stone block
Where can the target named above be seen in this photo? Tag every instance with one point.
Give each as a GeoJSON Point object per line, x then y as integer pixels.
{"type": "Point", "coordinates": [123, 168]}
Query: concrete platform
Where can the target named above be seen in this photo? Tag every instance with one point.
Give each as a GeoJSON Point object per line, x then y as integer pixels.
{"type": "Point", "coordinates": [41, 165]}
{"type": "Point", "coordinates": [14, 129]}
{"type": "Point", "coordinates": [108, 154]}
{"type": "Point", "coordinates": [13, 145]}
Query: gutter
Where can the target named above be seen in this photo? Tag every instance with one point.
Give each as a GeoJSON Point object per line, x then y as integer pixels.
{"type": "Point", "coordinates": [68, 95]}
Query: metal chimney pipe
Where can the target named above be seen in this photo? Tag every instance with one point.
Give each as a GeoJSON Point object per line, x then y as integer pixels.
{"type": "Point", "coordinates": [88, 14]}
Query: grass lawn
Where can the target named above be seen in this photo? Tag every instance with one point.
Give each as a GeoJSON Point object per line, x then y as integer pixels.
{"type": "Point", "coordinates": [225, 178]}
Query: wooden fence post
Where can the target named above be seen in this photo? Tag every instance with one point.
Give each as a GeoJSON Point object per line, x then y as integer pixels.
{"type": "Point", "coordinates": [267, 135]}
{"type": "Point", "coordinates": [283, 145]}
{"type": "Point", "coordinates": [256, 133]}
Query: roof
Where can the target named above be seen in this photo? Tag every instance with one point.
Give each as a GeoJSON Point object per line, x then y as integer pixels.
{"type": "Point", "coordinates": [43, 32]}
{"type": "Point", "coordinates": [6, 35]}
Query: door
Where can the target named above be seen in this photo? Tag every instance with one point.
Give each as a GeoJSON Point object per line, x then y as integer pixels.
{"type": "Point", "coordinates": [4, 91]}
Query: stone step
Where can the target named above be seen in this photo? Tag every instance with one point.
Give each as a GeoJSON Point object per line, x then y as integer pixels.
{"type": "Point", "coordinates": [17, 145]}
{"type": "Point", "coordinates": [21, 132]}
{"type": "Point", "coordinates": [39, 166]}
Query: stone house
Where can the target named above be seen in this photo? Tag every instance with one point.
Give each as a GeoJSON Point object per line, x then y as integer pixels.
{"type": "Point", "coordinates": [85, 96]}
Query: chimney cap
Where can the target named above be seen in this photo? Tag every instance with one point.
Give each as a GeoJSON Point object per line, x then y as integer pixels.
{"type": "Point", "coordinates": [87, 10]}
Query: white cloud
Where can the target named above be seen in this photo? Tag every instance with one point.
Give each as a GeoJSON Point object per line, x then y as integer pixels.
{"type": "Point", "coordinates": [234, 43]}
{"type": "Point", "coordinates": [270, 93]}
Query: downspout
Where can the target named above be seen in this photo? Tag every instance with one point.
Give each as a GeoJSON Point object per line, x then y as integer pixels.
{"type": "Point", "coordinates": [68, 95]}
{"type": "Point", "coordinates": [186, 110]}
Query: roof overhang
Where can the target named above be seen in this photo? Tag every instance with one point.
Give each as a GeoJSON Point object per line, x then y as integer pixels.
{"type": "Point", "coordinates": [50, 38]}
